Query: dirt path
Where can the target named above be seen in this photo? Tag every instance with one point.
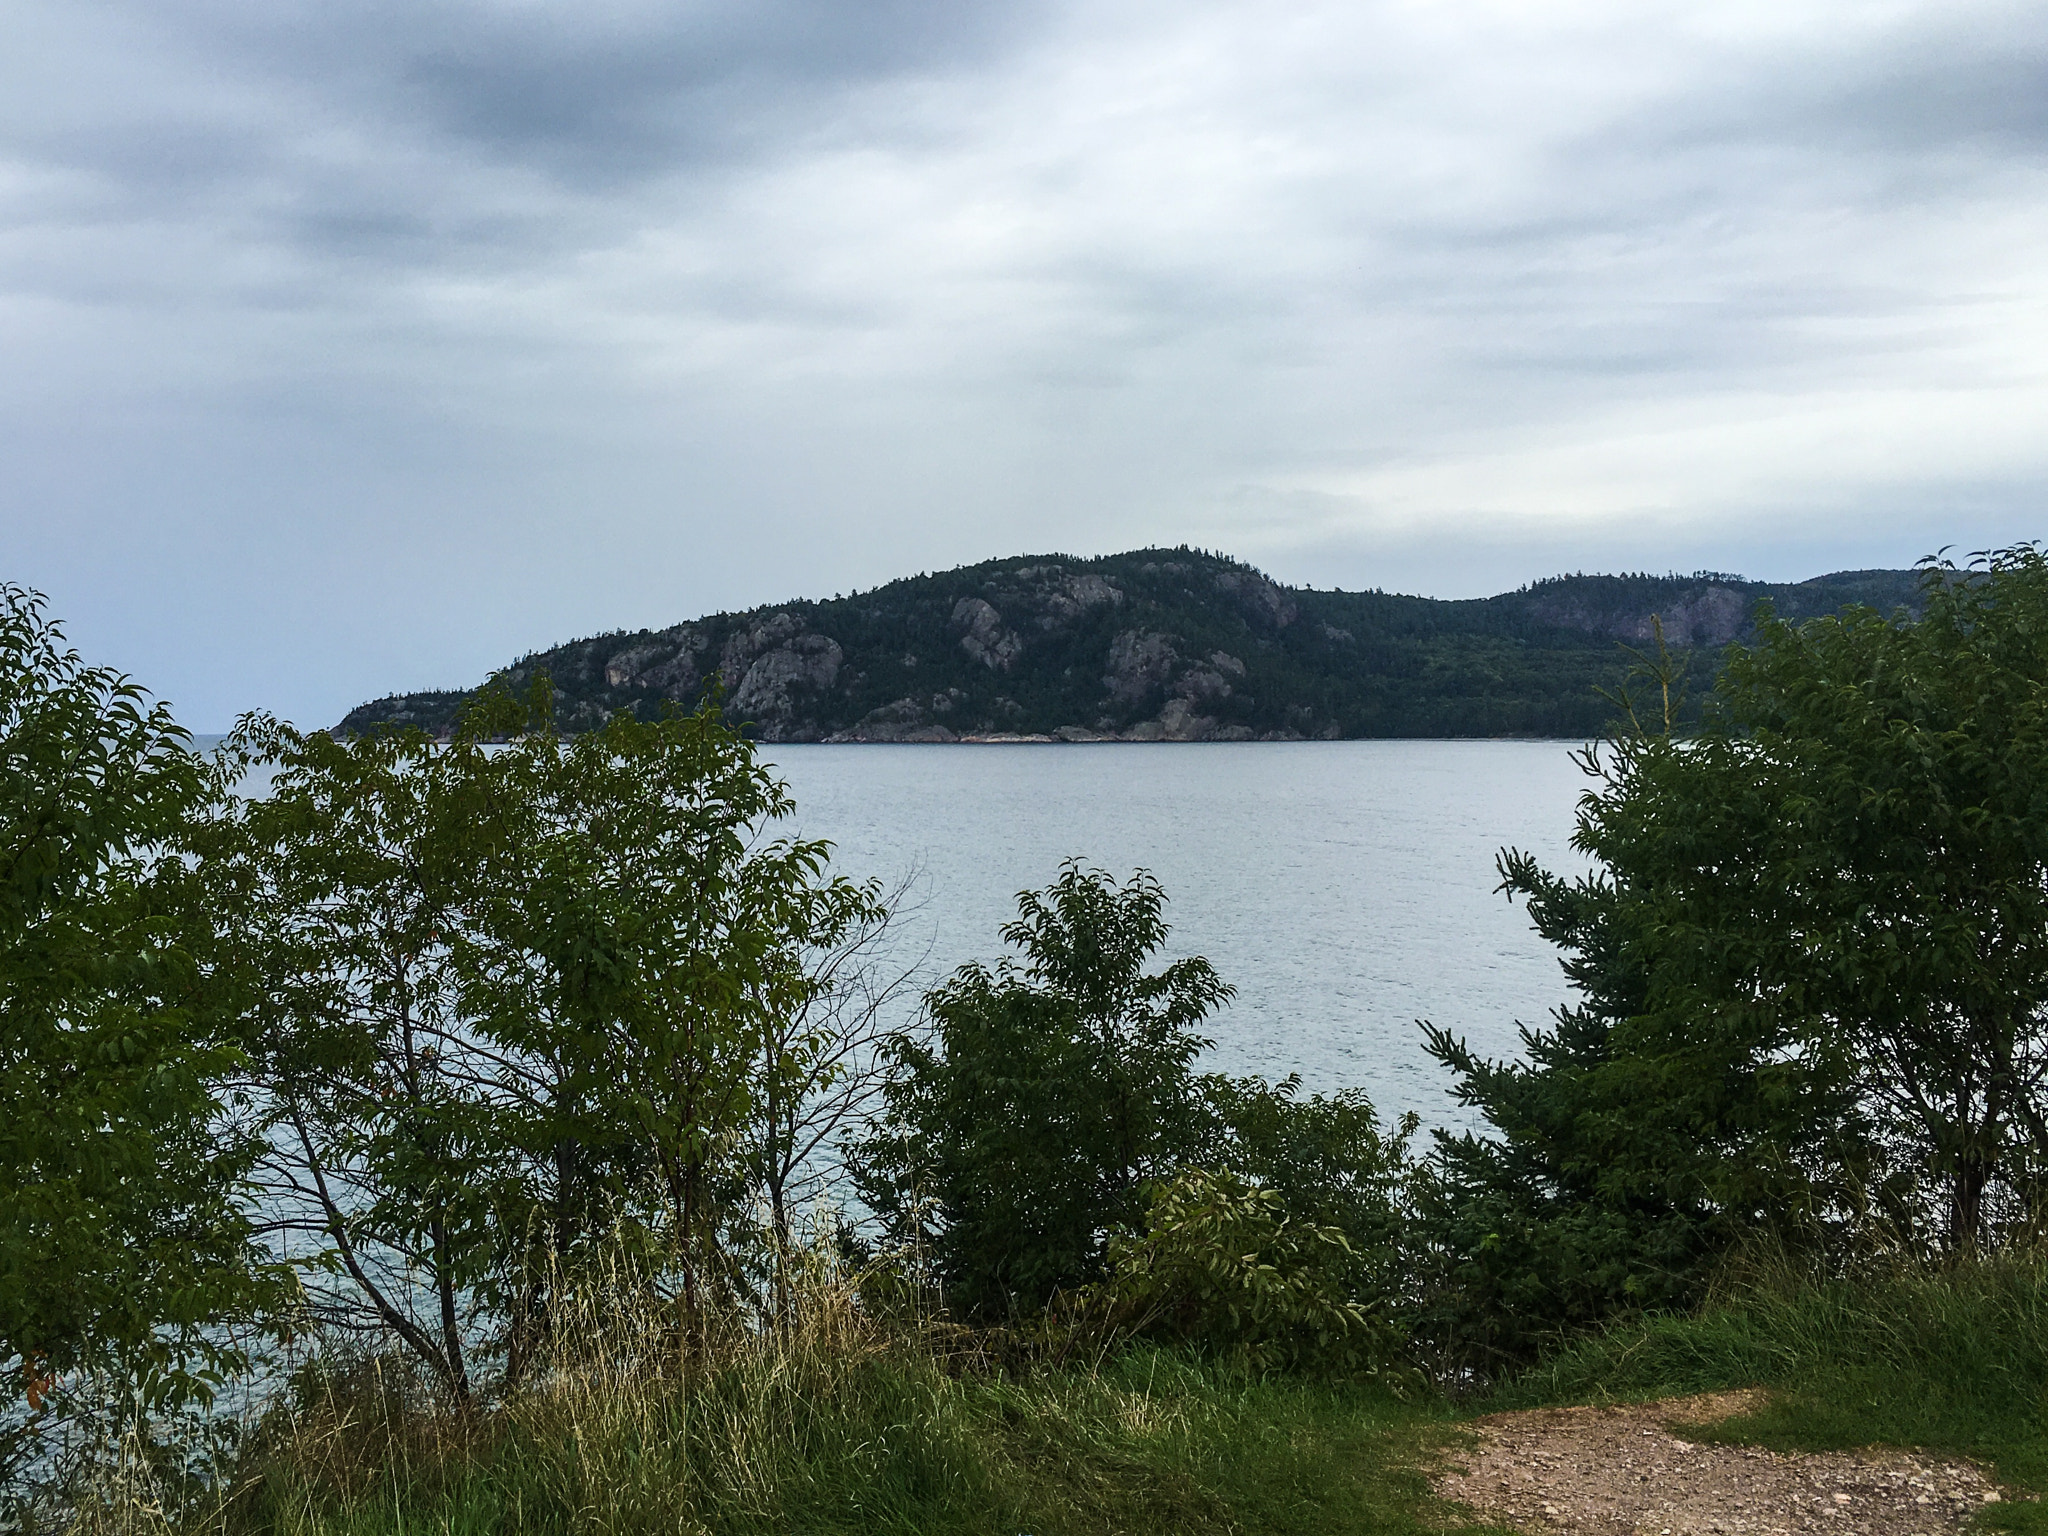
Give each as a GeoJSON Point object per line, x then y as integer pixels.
{"type": "Point", "coordinates": [1622, 1472]}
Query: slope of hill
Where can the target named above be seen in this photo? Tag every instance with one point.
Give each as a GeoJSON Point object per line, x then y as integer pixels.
{"type": "Point", "coordinates": [1157, 645]}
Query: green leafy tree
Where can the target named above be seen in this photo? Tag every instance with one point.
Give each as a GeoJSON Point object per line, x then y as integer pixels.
{"type": "Point", "coordinates": [821, 1069]}
{"type": "Point", "coordinates": [343, 887]}
{"type": "Point", "coordinates": [524, 996]}
{"type": "Point", "coordinates": [1023, 1128]}
{"type": "Point", "coordinates": [662, 976]}
{"type": "Point", "coordinates": [1812, 965]}
{"type": "Point", "coordinates": [1906, 825]}
{"type": "Point", "coordinates": [124, 1246]}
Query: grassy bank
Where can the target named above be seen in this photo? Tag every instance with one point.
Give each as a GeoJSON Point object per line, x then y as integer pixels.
{"type": "Point", "coordinates": [1149, 1442]}
{"type": "Point", "coordinates": [840, 1428]}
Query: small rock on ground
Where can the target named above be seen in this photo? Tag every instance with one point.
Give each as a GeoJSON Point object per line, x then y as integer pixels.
{"type": "Point", "coordinates": [1622, 1472]}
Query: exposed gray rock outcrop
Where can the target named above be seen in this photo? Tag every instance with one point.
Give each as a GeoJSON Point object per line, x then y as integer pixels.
{"type": "Point", "coordinates": [748, 643]}
{"type": "Point", "coordinates": [771, 667]}
{"type": "Point", "coordinates": [1180, 721]}
{"type": "Point", "coordinates": [1139, 662]}
{"type": "Point", "coordinates": [882, 731]}
{"type": "Point", "coordinates": [1713, 616]}
{"type": "Point", "coordinates": [620, 671]}
{"type": "Point", "coordinates": [1257, 598]}
{"type": "Point", "coordinates": [1068, 598]}
{"type": "Point", "coordinates": [983, 635]}
{"type": "Point", "coordinates": [668, 663]}
{"type": "Point", "coordinates": [1201, 686]}
{"type": "Point", "coordinates": [906, 719]}
{"type": "Point", "coordinates": [766, 694]}
{"type": "Point", "coordinates": [900, 714]}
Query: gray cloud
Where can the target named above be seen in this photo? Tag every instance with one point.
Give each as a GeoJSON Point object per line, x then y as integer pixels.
{"type": "Point", "coordinates": [621, 102]}
{"type": "Point", "coordinates": [1927, 91]}
{"type": "Point", "coordinates": [353, 347]}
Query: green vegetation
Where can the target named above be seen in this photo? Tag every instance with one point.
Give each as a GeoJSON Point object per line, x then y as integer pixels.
{"type": "Point", "coordinates": [121, 1235]}
{"type": "Point", "coordinates": [1025, 1129]}
{"type": "Point", "coordinates": [1047, 1152]}
{"type": "Point", "coordinates": [1170, 644]}
{"type": "Point", "coordinates": [1810, 968]}
{"type": "Point", "coordinates": [475, 1105]}
{"type": "Point", "coordinates": [830, 1427]}
{"type": "Point", "coordinates": [515, 1008]}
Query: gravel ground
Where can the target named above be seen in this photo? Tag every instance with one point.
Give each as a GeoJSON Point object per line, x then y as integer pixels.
{"type": "Point", "coordinates": [1623, 1472]}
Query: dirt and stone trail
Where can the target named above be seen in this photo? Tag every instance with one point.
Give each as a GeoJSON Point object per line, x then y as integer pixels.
{"type": "Point", "coordinates": [1624, 1472]}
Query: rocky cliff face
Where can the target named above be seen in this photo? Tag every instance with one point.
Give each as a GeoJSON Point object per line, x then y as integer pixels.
{"type": "Point", "coordinates": [1159, 645]}
{"type": "Point", "coordinates": [776, 673]}
{"type": "Point", "coordinates": [1714, 615]}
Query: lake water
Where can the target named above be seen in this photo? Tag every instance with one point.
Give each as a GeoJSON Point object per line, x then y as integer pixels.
{"type": "Point", "coordinates": [1345, 888]}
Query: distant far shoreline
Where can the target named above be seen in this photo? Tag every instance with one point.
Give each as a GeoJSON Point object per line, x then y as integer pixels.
{"type": "Point", "coordinates": [1165, 645]}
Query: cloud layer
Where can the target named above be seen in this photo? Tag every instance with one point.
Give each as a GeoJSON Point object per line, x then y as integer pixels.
{"type": "Point", "coordinates": [361, 347]}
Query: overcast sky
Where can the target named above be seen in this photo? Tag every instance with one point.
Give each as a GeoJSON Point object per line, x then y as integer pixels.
{"type": "Point", "coordinates": [351, 347]}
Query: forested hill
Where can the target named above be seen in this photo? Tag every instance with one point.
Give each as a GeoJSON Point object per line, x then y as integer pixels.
{"type": "Point", "coordinates": [1154, 645]}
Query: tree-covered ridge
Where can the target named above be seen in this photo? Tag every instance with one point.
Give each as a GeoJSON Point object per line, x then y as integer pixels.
{"type": "Point", "coordinates": [1156, 644]}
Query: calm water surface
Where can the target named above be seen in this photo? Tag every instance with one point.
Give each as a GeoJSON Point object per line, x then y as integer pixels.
{"type": "Point", "coordinates": [1345, 888]}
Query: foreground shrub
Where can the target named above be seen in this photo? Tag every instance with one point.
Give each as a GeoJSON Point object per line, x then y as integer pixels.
{"type": "Point", "coordinates": [1024, 1126]}
{"type": "Point", "coordinates": [1221, 1264]}
{"type": "Point", "coordinates": [126, 1252]}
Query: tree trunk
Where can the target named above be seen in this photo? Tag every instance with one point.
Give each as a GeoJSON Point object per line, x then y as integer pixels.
{"type": "Point", "coordinates": [451, 1326]}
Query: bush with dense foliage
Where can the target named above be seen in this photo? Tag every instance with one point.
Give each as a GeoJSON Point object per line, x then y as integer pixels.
{"type": "Point", "coordinates": [1222, 1263]}
{"type": "Point", "coordinates": [124, 1235]}
{"type": "Point", "coordinates": [1048, 1146]}
{"type": "Point", "coordinates": [1023, 1126]}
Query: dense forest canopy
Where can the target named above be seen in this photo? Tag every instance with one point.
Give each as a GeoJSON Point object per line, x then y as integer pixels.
{"type": "Point", "coordinates": [1157, 644]}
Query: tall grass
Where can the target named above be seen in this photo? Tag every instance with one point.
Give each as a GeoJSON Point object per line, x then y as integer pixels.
{"type": "Point", "coordinates": [833, 1422]}
{"type": "Point", "coordinates": [839, 1420]}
